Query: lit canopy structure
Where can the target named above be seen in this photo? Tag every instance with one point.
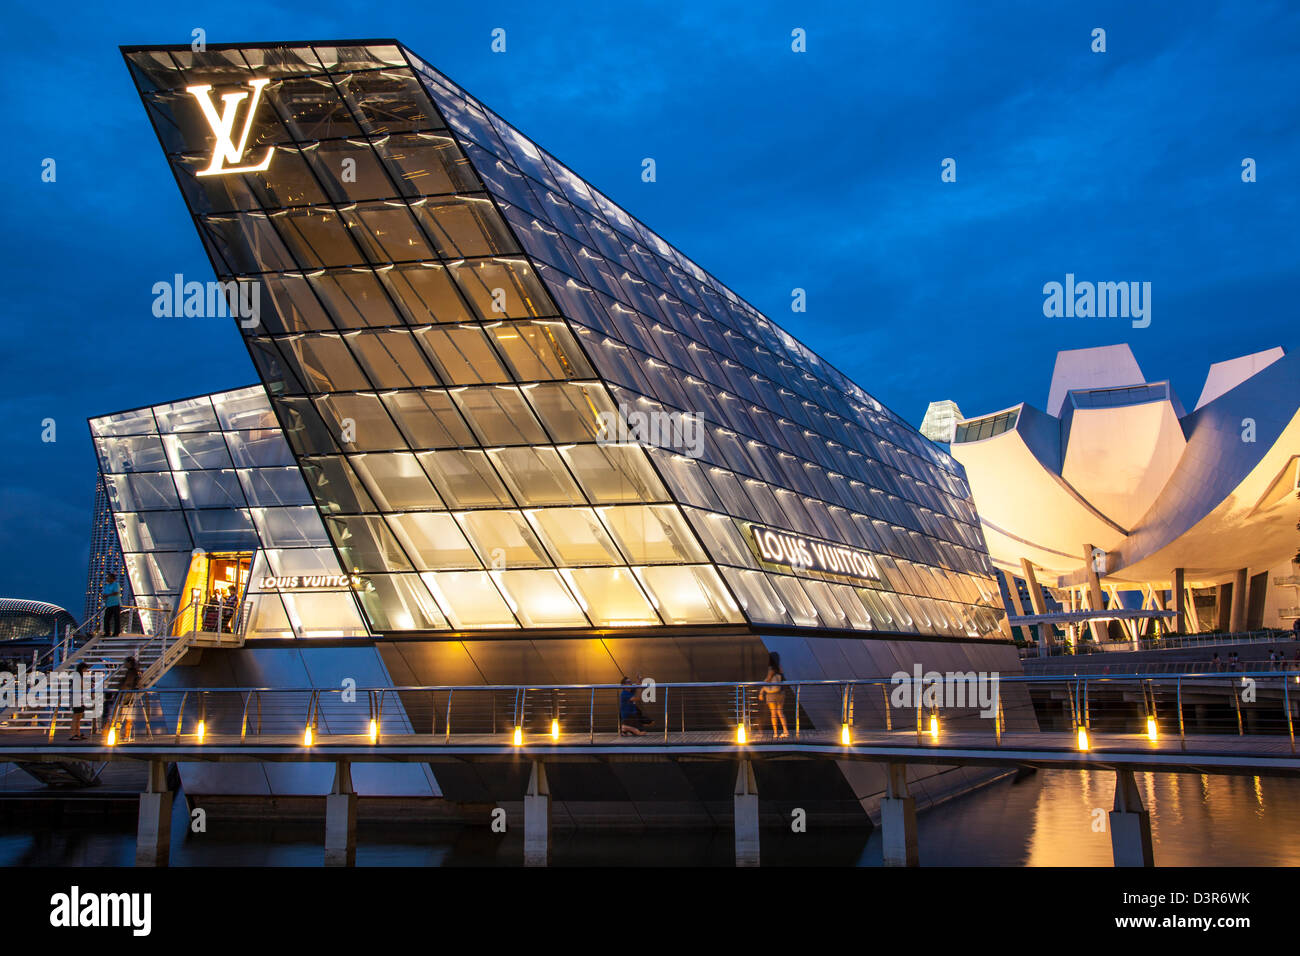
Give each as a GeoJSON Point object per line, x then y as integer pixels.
{"type": "Point", "coordinates": [1117, 479]}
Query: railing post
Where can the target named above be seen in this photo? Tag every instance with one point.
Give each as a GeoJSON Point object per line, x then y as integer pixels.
{"type": "Point", "coordinates": [797, 689]}
{"type": "Point", "coordinates": [1236, 703]}
{"type": "Point", "coordinates": [1182, 737]}
{"type": "Point", "coordinates": [1286, 701]}
{"type": "Point", "coordinates": [889, 717]}
{"type": "Point", "coordinates": [591, 715]}
{"type": "Point", "coordinates": [665, 714]}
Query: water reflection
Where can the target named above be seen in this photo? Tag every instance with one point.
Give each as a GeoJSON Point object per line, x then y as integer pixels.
{"type": "Point", "coordinates": [1046, 819]}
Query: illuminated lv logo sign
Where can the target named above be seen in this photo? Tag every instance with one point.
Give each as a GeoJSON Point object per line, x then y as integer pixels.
{"type": "Point", "coordinates": [227, 151]}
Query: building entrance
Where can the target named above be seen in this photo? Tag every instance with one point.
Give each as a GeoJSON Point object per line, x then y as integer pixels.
{"type": "Point", "coordinates": [214, 588]}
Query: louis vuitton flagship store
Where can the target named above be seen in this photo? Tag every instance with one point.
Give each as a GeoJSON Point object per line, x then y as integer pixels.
{"type": "Point", "coordinates": [505, 433]}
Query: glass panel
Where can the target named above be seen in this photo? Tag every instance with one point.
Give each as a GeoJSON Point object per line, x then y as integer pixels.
{"type": "Point", "coordinates": [652, 534]}
{"type": "Point", "coordinates": [428, 419]}
{"type": "Point", "coordinates": [355, 299]}
{"type": "Point", "coordinates": [610, 596]}
{"type": "Point", "coordinates": [143, 492]}
{"type": "Point", "coordinates": [572, 412]}
{"type": "Point", "coordinates": [503, 539]}
{"type": "Point", "coordinates": [399, 602]}
{"type": "Point", "coordinates": [465, 227]}
{"type": "Point", "coordinates": [359, 422]}
{"type": "Point", "coordinates": [499, 415]}
{"type": "Point", "coordinates": [426, 293]}
{"type": "Point", "coordinates": [469, 599]}
{"type": "Point", "coordinates": [389, 101]}
{"type": "Point", "coordinates": [396, 481]}
{"type": "Point", "coordinates": [139, 453]}
{"type": "Point", "coordinates": [392, 359]}
{"type": "Point", "coordinates": [292, 561]}
{"type": "Point", "coordinates": [574, 536]}
{"type": "Point", "coordinates": [536, 476]}
{"type": "Point", "coordinates": [335, 487]}
{"type": "Point", "coordinates": [157, 572]}
{"type": "Point", "coordinates": [465, 478]}
{"type": "Point", "coordinates": [246, 408]}
{"type": "Point", "coordinates": [761, 604]}
{"type": "Point", "coordinates": [325, 614]}
{"type": "Point", "coordinates": [324, 363]}
{"type": "Point", "coordinates": [197, 450]}
{"type": "Point", "coordinates": [367, 545]}
{"type": "Point", "coordinates": [433, 541]}
{"type": "Point", "coordinates": [611, 474]}
{"type": "Point", "coordinates": [795, 600]}
{"type": "Point", "coordinates": [268, 618]}
{"type": "Point", "coordinates": [539, 598]}
{"type": "Point", "coordinates": [540, 351]}
{"type": "Point", "coordinates": [290, 527]}
{"type": "Point", "coordinates": [427, 164]}
{"type": "Point", "coordinates": [192, 415]}
{"type": "Point", "coordinates": [462, 355]}
{"type": "Point", "coordinates": [686, 595]}
{"type": "Point", "coordinates": [222, 530]}
{"type": "Point", "coordinates": [502, 288]}
{"type": "Point", "coordinates": [128, 423]}
{"type": "Point", "coordinates": [209, 489]}
{"type": "Point", "coordinates": [722, 539]}
{"type": "Point", "coordinates": [274, 486]}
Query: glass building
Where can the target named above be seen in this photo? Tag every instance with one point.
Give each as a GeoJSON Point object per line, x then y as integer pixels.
{"type": "Point", "coordinates": [513, 405]}
{"type": "Point", "coordinates": [507, 434]}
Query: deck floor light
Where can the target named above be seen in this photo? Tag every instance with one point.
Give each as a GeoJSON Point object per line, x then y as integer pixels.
{"type": "Point", "coordinates": [846, 738]}
{"type": "Point", "coordinates": [374, 731]}
{"type": "Point", "coordinates": [201, 730]}
{"type": "Point", "coordinates": [1083, 738]}
{"type": "Point", "coordinates": [1151, 728]}
{"type": "Point", "coordinates": [307, 736]}
{"type": "Point", "coordinates": [740, 733]}
{"type": "Point", "coordinates": [555, 728]}
{"type": "Point", "coordinates": [519, 736]}
{"type": "Point", "coordinates": [112, 737]}
{"type": "Point", "coordinates": [934, 726]}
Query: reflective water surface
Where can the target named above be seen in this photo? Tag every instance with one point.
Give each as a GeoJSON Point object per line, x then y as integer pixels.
{"type": "Point", "coordinates": [1047, 819]}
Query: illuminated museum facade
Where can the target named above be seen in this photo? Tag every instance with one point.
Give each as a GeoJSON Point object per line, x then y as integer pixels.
{"type": "Point", "coordinates": [1117, 495]}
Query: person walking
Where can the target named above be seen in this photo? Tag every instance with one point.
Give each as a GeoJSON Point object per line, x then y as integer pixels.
{"type": "Point", "coordinates": [629, 715]}
{"type": "Point", "coordinates": [773, 695]}
{"type": "Point", "coordinates": [127, 688]}
{"type": "Point", "coordinates": [78, 711]}
{"type": "Point", "coordinates": [112, 594]}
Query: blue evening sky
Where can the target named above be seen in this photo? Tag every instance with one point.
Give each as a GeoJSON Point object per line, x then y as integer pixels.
{"type": "Point", "coordinates": [776, 170]}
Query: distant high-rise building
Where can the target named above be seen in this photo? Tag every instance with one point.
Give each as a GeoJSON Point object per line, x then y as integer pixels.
{"type": "Point", "coordinates": [105, 553]}
{"type": "Point", "coordinates": [940, 422]}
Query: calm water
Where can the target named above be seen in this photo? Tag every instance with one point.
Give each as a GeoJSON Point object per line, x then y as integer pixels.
{"type": "Point", "coordinates": [1044, 820]}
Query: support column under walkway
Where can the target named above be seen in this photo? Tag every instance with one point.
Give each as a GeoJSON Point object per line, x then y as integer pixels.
{"type": "Point", "coordinates": [341, 819]}
{"type": "Point", "coordinates": [1130, 824]}
{"type": "Point", "coordinates": [746, 815]}
{"type": "Point", "coordinates": [898, 820]}
{"type": "Point", "coordinates": [537, 817]}
{"type": "Point", "coordinates": [153, 835]}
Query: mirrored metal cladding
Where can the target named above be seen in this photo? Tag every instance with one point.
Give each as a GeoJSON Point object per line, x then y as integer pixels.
{"type": "Point", "coordinates": [513, 404]}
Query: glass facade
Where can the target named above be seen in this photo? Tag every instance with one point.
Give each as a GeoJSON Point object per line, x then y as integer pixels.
{"type": "Point", "coordinates": [214, 475]}
{"type": "Point", "coordinates": [516, 406]}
